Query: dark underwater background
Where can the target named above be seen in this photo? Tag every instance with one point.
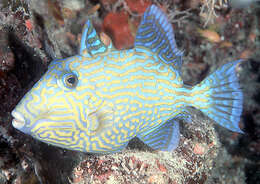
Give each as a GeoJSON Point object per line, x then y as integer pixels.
{"type": "Point", "coordinates": [210, 32]}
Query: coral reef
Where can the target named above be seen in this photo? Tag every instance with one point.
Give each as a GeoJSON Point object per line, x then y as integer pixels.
{"type": "Point", "coordinates": [191, 162]}
{"type": "Point", "coordinates": [30, 37]}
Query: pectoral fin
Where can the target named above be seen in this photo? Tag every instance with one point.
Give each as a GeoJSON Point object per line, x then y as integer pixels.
{"type": "Point", "coordinates": [99, 118]}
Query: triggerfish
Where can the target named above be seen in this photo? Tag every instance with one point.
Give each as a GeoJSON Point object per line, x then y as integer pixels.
{"type": "Point", "coordinates": [100, 99]}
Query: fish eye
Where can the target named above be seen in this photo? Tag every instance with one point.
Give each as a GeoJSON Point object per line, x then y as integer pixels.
{"type": "Point", "coordinates": [70, 80]}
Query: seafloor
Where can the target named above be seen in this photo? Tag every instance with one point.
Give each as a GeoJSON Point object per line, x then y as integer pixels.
{"type": "Point", "coordinates": [210, 32]}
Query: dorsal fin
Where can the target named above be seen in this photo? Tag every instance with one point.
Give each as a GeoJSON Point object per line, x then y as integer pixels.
{"type": "Point", "coordinates": [90, 41]}
{"type": "Point", "coordinates": [156, 33]}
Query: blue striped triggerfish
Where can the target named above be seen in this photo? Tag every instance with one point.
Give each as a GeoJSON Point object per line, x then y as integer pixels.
{"type": "Point", "coordinates": [100, 99]}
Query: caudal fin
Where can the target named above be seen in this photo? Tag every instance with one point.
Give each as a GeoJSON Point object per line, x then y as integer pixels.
{"type": "Point", "coordinates": [219, 96]}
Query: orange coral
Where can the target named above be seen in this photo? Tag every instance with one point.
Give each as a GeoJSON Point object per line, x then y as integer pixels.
{"type": "Point", "coordinates": [117, 26]}
{"type": "Point", "coordinates": [137, 6]}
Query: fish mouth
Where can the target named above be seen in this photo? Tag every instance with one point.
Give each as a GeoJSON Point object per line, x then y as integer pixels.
{"type": "Point", "coordinates": [19, 120]}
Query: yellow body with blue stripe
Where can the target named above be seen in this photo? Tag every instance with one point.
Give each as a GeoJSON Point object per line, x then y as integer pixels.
{"type": "Point", "coordinates": [100, 99]}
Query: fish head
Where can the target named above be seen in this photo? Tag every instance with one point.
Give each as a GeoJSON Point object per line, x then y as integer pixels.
{"type": "Point", "coordinates": [50, 110]}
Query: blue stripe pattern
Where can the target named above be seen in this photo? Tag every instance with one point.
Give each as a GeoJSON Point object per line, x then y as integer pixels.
{"type": "Point", "coordinates": [100, 99]}
{"type": "Point", "coordinates": [156, 33]}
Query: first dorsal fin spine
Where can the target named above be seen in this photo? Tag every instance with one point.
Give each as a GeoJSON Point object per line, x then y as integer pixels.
{"type": "Point", "coordinates": [90, 42]}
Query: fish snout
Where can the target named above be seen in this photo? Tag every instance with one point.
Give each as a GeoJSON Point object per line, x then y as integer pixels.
{"type": "Point", "coordinates": [19, 120]}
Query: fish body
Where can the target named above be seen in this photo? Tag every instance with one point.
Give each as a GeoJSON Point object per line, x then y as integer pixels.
{"type": "Point", "coordinates": [100, 99]}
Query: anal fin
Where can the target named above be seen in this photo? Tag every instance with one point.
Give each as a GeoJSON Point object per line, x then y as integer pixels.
{"type": "Point", "coordinates": [164, 138]}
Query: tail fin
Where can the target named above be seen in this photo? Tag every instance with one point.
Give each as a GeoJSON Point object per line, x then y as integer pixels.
{"type": "Point", "coordinates": [219, 96]}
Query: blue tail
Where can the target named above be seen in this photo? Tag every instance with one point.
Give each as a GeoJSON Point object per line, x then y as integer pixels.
{"type": "Point", "coordinates": [219, 96]}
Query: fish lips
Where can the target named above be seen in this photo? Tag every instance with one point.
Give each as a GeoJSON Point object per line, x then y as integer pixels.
{"type": "Point", "coordinates": [19, 122]}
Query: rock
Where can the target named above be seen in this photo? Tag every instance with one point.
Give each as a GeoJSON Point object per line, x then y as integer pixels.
{"type": "Point", "coordinates": [36, 36]}
{"type": "Point", "coordinates": [183, 165]}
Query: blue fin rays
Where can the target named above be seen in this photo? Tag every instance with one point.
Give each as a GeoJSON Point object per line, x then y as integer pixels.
{"type": "Point", "coordinates": [156, 34]}
{"type": "Point", "coordinates": [224, 96]}
{"type": "Point", "coordinates": [164, 138]}
{"type": "Point", "coordinates": [90, 42]}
